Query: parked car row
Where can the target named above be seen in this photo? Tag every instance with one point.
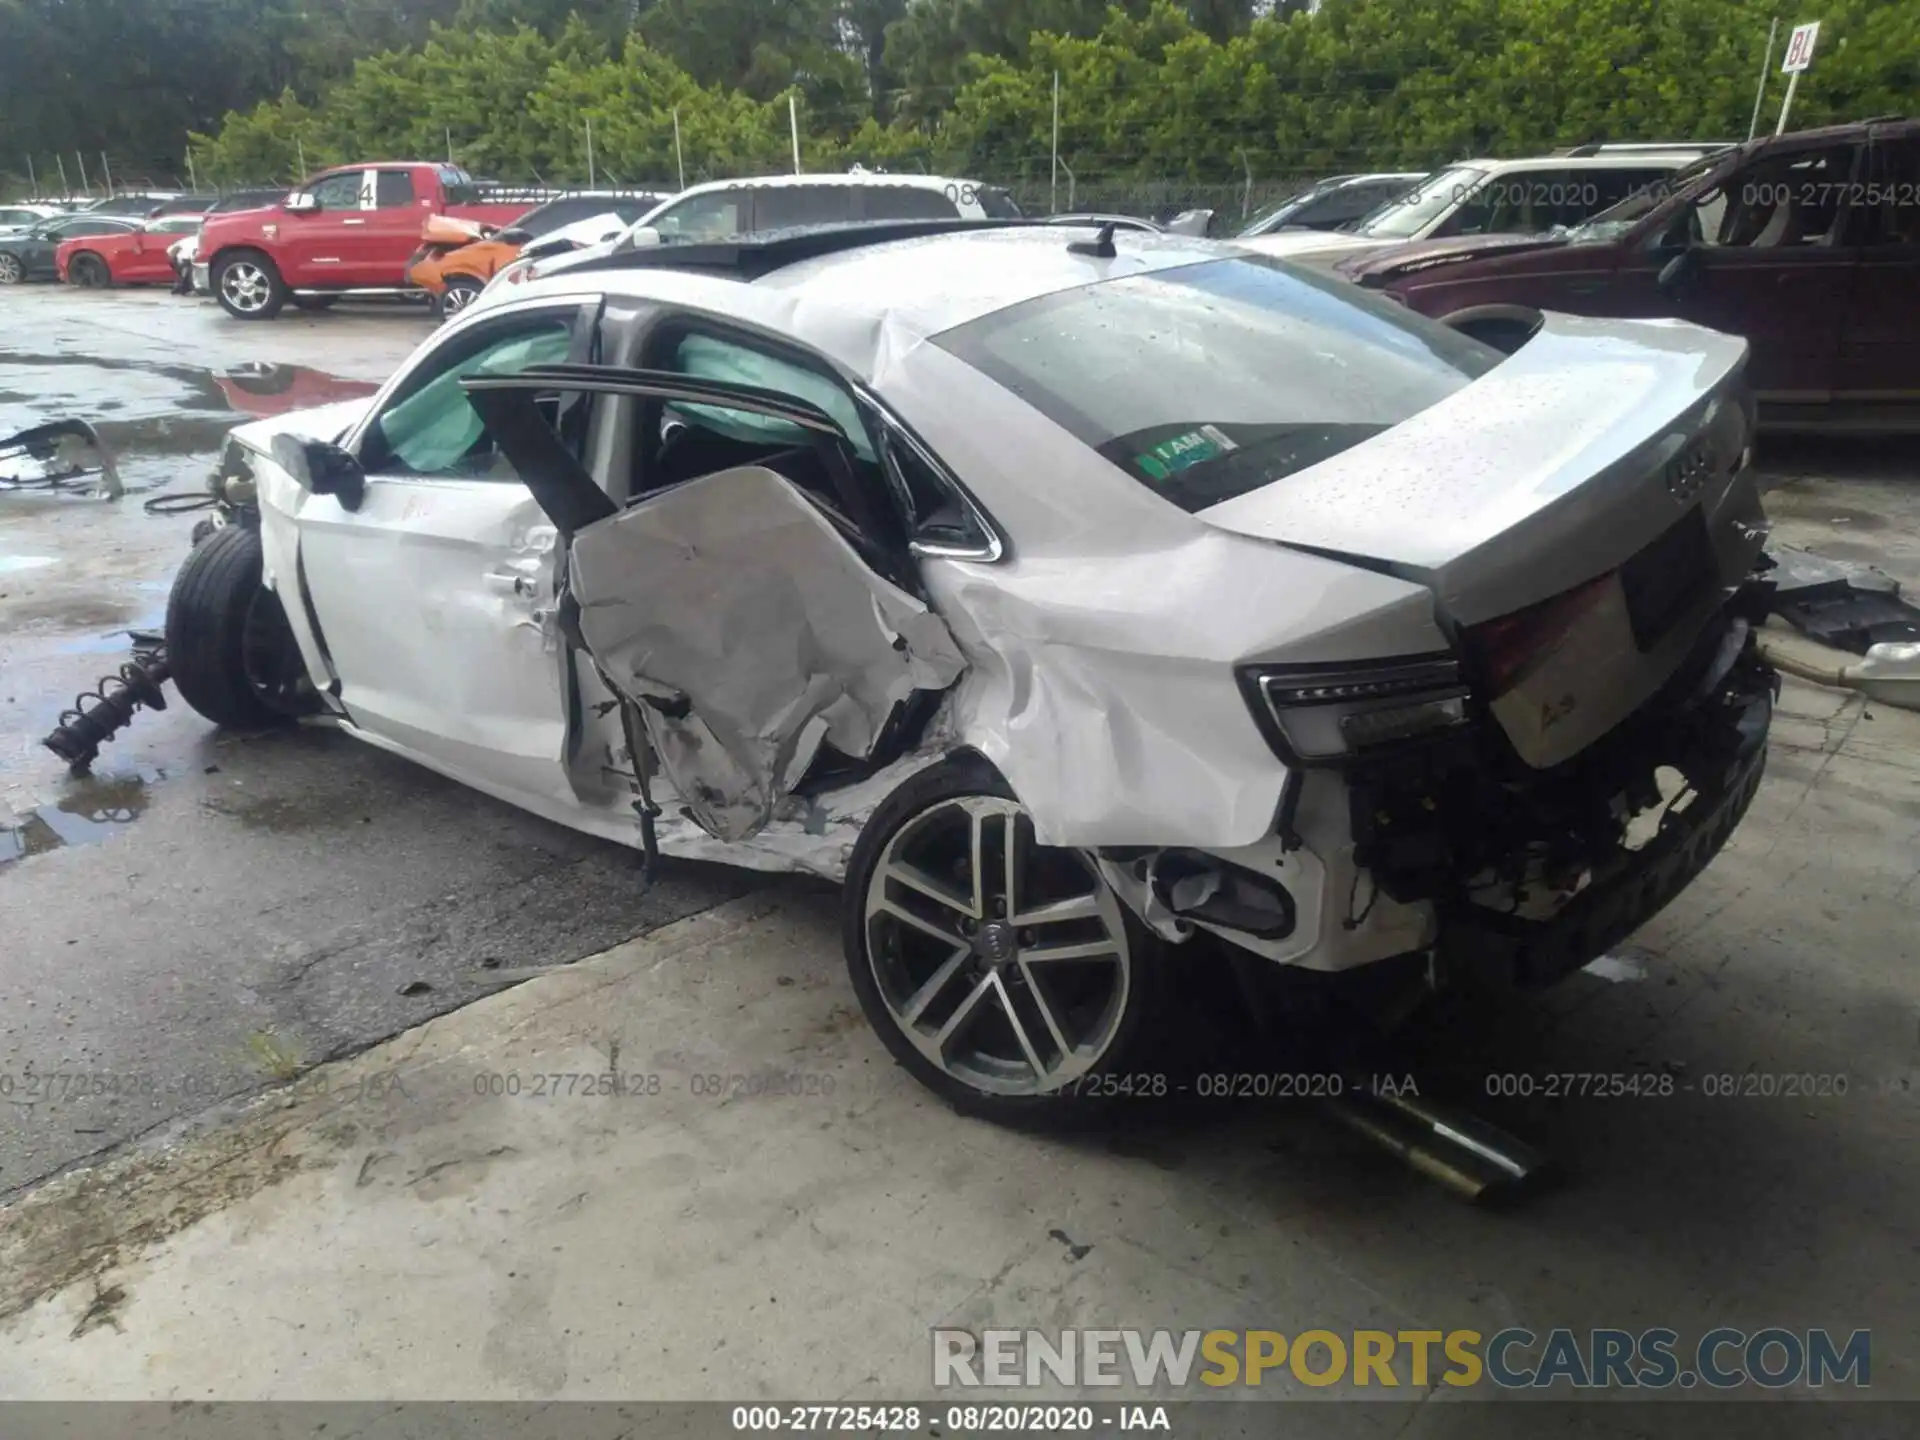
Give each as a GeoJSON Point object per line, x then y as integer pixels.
{"type": "Point", "coordinates": [1807, 245]}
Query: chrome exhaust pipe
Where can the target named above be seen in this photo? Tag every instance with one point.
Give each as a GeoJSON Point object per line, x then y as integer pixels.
{"type": "Point", "coordinates": [1478, 1162]}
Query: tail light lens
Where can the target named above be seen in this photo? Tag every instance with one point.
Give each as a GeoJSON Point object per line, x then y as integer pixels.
{"type": "Point", "coordinates": [1504, 648]}
{"type": "Point", "coordinates": [1320, 713]}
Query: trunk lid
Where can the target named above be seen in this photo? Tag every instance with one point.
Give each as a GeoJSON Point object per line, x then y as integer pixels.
{"type": "Point", "coordinates": [1604, 458]}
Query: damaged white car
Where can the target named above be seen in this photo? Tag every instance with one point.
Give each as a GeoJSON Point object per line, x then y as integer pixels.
{"type": "Point", "coordinates": [1067, 595]}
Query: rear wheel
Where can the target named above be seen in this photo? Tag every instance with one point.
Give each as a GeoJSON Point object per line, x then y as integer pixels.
{"type": "Point", "coordinates": [12, 272]}
{"type": "Point", "coordinates": [248, 285]}
{"type": "Point", "coordinates": [1004, 974]}
{"type": "Point", "coordinates": [89, 270]}
{"type": "Point", "coordinates": [461, 291]}
{"type": "Point", "coordinates": [232, 655]}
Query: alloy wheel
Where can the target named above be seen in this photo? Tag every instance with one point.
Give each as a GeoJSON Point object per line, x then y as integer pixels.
{"type": "Point", "coordinates": [11, 271]}
{"type": "Point", "coordinates": [1004, 962]}
{"type": "Point", "coordinates": [245, 286]}
{"type": "Point", "coordinates": [457, 298]}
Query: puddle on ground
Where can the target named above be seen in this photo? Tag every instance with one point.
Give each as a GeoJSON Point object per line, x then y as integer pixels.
{"type": "Point", "coordinates": [93, 808]}
{"type": "Point", "coordinates": [155, 409]}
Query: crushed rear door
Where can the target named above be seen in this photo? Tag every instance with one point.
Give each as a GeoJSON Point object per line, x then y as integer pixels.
{"type": "Point", "coordinates": [744, 619]}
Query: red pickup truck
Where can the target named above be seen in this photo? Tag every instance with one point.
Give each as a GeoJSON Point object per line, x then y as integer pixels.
{"type": "Point", "coordinates": [351, 229]}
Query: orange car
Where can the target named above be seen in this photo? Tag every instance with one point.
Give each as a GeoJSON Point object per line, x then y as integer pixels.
{"type": "Point", "coordinates": [457, 258]}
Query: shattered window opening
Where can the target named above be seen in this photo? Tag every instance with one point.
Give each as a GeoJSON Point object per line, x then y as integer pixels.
{"type": "Point", "coordinates": [430, 428]}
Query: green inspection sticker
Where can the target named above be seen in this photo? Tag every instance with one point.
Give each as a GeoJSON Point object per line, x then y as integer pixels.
{"type": "Point", "coordinates": [1170, 457]}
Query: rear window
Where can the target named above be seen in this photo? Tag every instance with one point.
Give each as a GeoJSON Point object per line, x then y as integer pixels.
{"type": "Point", "coordinates": [392, 188]}
{"type": "Point", "coordinates": [458, 186]}
{"type": "Point", "coordinates": [999, 204]}
{"type": "Point", "coordinates": [781, 207]}
{"type": "Point", "coordinates": [1212, 380]}
{"type": "Point", "coordinates": [907, 202]}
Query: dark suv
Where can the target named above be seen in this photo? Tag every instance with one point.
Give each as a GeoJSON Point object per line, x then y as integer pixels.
{"type": "Point", "coordinates": [1807, 244]}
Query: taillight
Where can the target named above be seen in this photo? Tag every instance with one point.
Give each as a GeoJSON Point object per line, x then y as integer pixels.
{"type": "Point", "coordinates": [1507, 646]}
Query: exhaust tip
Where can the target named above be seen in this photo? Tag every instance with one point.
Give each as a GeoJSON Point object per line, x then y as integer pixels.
{"type": "Point", "coordinates": [1473, 1160]}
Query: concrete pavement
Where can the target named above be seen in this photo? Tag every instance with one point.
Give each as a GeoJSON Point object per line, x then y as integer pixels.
{"type": "Point", "coordinates": [420, 1222]}
{"type": "Point", "coordinates": [210, 913]}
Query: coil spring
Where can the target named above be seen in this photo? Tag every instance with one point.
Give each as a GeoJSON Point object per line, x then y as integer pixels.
{"type": "Point", "coordinates": [98, 714]}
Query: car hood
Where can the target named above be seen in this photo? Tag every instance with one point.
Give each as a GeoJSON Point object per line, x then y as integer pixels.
{"type": "Point", "coordinates": [1408, 255]}
{"type": "Point", "coordinates": [1321, 249]}
{"type": "Point", "coordinates": [320, 422]}
{"type": "Point", "coordinates": [1543, 473]}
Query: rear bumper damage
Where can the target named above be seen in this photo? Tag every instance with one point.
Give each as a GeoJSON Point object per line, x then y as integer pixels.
{"type": "Point", "coordinates": [1720, 748]}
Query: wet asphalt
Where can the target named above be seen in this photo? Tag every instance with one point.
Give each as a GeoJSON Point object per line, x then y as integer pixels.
{"type": "Point", "coordinates": [210, 913]}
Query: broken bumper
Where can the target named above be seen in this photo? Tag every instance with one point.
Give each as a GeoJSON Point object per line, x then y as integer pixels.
{"type": "Point", "coordinates": [1480, 947]}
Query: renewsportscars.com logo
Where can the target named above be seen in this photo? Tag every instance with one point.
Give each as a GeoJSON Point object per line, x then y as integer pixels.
{"type": "Point", "coordinates": [1512, 1359]}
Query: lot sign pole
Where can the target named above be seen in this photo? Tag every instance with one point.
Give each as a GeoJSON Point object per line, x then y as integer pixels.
{"type": "Point", "coordinates": [193, 176]}
{"type": "Point", "coordinates": [65, 189]}
{"type": "Point", "coordinates": [1794, 63]}
{"type": "Point", "coordinates": [1793, 84]}
{"type": "Point", "coordinates": [300, 150]}
{"type": "Point", "coordinates": [589, 150]}
{"type": "Point", "coordinates": [1766, 66]}
{"type": "Point", "coordinates": [1053, 195]}
{"type": "Point", "coordinates": [33, 182]}
{"type": "Point", "coordinates": [106, 170]}
{"type": "Point", "coordinates": [679, 161]}
{"type": "Point", "coordinates": [793, 128]}
{"type": "Point", "coordinates": [81, 161]}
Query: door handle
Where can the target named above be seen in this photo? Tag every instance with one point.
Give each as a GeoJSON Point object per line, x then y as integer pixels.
{"type": "Point", "coordinates": [353, 222]}
{"type": "Point", "coordinates": [509, 584]}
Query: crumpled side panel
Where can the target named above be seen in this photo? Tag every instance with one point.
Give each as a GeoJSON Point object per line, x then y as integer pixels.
{"type": "Point", "coordinates": [751, 632]}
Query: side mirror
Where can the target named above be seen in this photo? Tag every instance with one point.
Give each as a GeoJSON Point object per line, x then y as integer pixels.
{"type": "Point", "coordinates": [301, 202]}
{"type": "Point", "coordinates": [1678, 271]}
{"type": "Point", "coordinates": [322, 468]}
{"type": "Point", "coordinates": [512, 235]}
{"type": "Point", "coordinates": [641, 236]}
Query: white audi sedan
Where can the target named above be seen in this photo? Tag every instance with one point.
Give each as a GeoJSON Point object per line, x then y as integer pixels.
{"type": "Point", "coordinates": [1077, 598]}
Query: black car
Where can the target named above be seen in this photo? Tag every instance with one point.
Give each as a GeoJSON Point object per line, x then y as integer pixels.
{"type": "Point", "coordinates": [137, 205]}
{"type": "Point", "coordinates": [29, 254]}
{"type": "Point", "coordinates": [258, 199]}
{"type": "Point", "coordinates": [1331, 204]}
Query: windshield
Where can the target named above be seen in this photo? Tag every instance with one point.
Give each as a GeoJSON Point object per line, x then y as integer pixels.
{"type": "Point", "coordinates": [1267, 219]}
{"type": "Point", "coordinates": [1406, 215]}
{"type": "Point", "coordinates": [1616, 220]}
{"type": "Point", "coordinates": [1208, 381]}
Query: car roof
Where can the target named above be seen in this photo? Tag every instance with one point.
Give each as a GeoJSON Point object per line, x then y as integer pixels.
{"type": "Point", "coordinates": [851, 177]}
{"type": "Point", "coordinates": [1678, 156]}
{"type": "Point", "coordinates": [859, 301]}
{"type": "Point", "coordinates": [1375, 177]}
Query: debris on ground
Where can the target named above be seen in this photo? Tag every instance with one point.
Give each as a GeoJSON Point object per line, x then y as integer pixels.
{"type": "Point", "coordinates": [58, 455]}
{"type": "Point", "coordinates": [1839, 603]}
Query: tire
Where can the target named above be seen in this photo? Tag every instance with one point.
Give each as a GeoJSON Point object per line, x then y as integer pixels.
{"type": "Point", "coordinates": [89, 271]}
{"type": "Point", "coordinates": [218, 617]}
{"type": "Point", "coordinates": [314, 304]}
{"type": "Point", "coordinates": [12, 272]}
{"type": "Point", "coordinates": [461, 291]}
{"type": "Point", "coordinates": [957, 959]}
{"type": "Point", "coordinates": [248, 285]}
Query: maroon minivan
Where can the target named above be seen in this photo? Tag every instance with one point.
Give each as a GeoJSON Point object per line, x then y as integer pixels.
{"type": "Point", "coordinates": [1807, 244]}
